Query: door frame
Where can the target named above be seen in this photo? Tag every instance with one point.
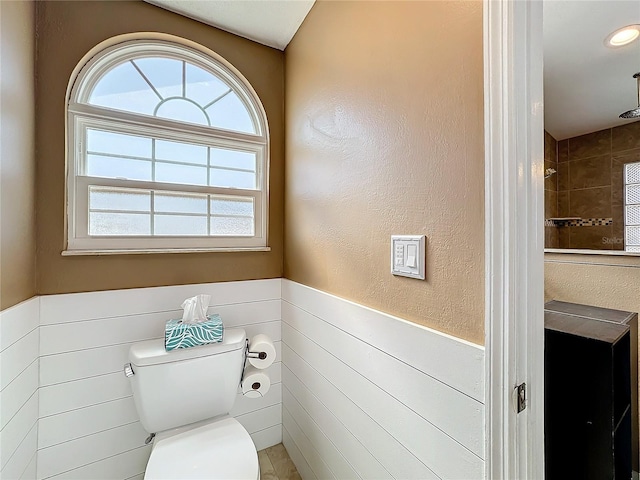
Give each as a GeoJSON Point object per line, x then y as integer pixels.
{"type": "Point", "coordinates": [514, 238]}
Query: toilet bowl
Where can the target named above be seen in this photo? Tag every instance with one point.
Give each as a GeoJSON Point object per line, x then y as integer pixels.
{"type": "Point", "coordinates": [214, 450]}
{"type": "Point", "coordinates": [184, 397]}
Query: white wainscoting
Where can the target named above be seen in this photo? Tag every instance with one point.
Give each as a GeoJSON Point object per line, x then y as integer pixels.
{"type": "Point", "coordinates": [367, 395]}
{"type": "Point", "coordinates": [88, 424]}
{"type": "Point", "coordinates": [19, 390]}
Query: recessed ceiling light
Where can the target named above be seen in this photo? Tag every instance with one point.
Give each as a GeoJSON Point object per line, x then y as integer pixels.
{"type": "Point", "coordinates": [623, 36]}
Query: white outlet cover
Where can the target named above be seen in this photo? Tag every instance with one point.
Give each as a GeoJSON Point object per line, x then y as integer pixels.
{"type": "Point", "coordinates": [408, 254]}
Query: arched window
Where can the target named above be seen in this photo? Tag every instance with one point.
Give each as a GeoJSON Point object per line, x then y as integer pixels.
{"type": "Point", "coordinates": [167, 149]}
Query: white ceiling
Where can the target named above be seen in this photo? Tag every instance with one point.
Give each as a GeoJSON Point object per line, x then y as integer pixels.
{"type": "Point", "coordinates": [587, 85]}
{"type": "Point", "coordinates": [270, 22]}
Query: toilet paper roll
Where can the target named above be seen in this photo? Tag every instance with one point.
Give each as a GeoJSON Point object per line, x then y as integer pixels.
{"type": "Point", "coordinates": [255, 383]}
{"type": "Point", "coordinates": [264, 346]}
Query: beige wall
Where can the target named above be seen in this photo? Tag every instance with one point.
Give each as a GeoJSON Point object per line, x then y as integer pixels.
{"type": "Point", "coordinates": [17, 155]}
{"type": "Point", "coordinates": [384, 118]}
{"type": "Point", "coordinates": [609, 281]}
{"type": "Point", "coordinates": [66, 32]}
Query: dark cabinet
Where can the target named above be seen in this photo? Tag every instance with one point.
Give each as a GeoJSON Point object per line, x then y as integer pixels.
{"type": "Point", "coordinates": [590, 374]}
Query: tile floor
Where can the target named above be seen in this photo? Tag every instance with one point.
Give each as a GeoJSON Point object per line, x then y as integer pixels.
{"type": "Point", "coordinates": [275, 464]}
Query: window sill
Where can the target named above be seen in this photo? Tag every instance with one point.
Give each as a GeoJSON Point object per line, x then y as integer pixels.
{"type": "Point", "coordinates": [77, 253]}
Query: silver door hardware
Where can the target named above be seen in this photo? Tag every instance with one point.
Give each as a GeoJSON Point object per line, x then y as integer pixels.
{"type": "Point", "coordinates": [521, 394]}
{"type": "Point", "coordinates": [260, 355]}
{"type": "Point", "coordinates": [128, 370]}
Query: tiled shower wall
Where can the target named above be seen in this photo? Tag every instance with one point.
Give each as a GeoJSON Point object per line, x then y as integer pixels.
{"type": "Point", "coordinates": [590, 185]}
{"type": "Point", "coordinates": [550, 190]}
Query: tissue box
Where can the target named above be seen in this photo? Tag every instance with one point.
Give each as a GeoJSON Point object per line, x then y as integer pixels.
{"type": "Point", "coordinates": [185, 335]}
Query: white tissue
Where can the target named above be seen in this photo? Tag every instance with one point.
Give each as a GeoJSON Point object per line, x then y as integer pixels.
{"type": "Point", "coordinates": [195, 309]}
{"type": "Point", "coordinates": [255, 383]}
{"type": "Point", "coordinates": [262, 343]}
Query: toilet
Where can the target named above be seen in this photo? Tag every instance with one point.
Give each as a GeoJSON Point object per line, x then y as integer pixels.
{"type": "Point", "coordinates": [184, 397]}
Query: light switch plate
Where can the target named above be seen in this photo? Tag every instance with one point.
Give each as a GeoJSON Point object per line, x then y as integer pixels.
{"type": "Point", "coordinates": [408, 255]}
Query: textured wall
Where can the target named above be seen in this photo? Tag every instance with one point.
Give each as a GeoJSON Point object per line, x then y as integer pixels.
{"type": "Point", "coordinates": [384, 119]}
{"type": "Point", "coordinates": [66, 32]}
{"type": "Point", "coordinates": [17, 157]}
{"type": "Point", "coordinates": [601, 280]}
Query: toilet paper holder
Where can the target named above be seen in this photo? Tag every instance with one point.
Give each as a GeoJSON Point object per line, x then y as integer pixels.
{"type": "Point", "coordinates": [249, 354]}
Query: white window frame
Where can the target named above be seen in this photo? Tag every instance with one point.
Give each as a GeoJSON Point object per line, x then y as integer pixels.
{"type": "Point", "coordinates": [81, 116]}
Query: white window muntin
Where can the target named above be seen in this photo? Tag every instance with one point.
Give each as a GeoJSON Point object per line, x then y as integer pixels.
{"type": "Point", "coordinates": [127, 51]}
{"type": "Point", "coordinates": [82, 116]}
{"type": "Point", "coordinates": [79, 238]}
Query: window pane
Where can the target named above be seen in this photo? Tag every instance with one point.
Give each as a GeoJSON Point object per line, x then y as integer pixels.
{"type": "Point", "coordinates": [171, 173]}
{"type": "Point", "coordinates": [103, 223]}
{"type": "Point", "coordinates": [116, 167]}
{"type": "Point", "coordinates": [123, 88]}
{"type": "Point", "coordinates": [202, 86]}
{"type": "Point", "coordinates": [231, 114]}
{"type": "Point", "coordinates": [165, 74]}
{"type": "Point", "coordinates": [232, 179]}
{"type": "Point", "coordinates": [630, 248]}
{"type": "Point", "coordinates": [180, 203]}
{"type": "Point", "coordinates": [632, 171]}
{"type": "Point", "coordinates": [228, 206]}
{"type": "Point", "coordinates": [632, 236]}
{"type": "Point", "coordinates": [182, 111]}
{"type": "Point", "coordinates": [221, 157]}
{"type": "Point", "coordinates": [239, 226]}
{"type": "Point", "coordinates": [108, 198]}
{"type": "Point", "coordinates": [633, 194]}
{"type": "Point", "coordinates": [181, 152]}
{"type": "Point", "coordinates": [180, 225]}
{"type": "Point", "coordinates": [99, 141]}
{"type": "Point", "coordinates": [633, 215]}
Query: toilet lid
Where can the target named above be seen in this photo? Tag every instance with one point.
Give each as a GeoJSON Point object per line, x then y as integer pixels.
{"type": "Point", "coordinates": [221, 450]}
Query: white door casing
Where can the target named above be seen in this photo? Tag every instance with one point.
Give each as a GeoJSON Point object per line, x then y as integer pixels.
{"type": "Point", "coordinates": [514, 213]}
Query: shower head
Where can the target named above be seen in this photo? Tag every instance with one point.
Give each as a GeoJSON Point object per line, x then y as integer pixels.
{"type": "Point", "coordinates": [635, 113]}
{"type": "Point", "coordinates": [548, 172]}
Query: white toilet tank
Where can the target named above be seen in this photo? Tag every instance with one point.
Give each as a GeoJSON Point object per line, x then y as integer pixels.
{"type": "Point", "coordinates": [183, 386]}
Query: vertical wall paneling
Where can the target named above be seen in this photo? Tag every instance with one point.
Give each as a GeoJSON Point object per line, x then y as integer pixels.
{"type": "Point", "coordinates": [88, 424]}
{"type": "Point", "coordinates": [368, 395]}
{"type": "Point", "coordinates": [19, 339]}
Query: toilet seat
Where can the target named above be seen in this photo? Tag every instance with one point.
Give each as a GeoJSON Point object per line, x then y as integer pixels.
{"type": "Point", "coordinates": [218, 450]}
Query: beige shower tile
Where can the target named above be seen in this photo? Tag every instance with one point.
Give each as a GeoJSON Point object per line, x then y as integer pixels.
{"type": "Point", "coordinates": [626, 137]}
{"type": "Point", "coordinates": [563, 176]}
{"type": "Point", "coordinates": [550, 204]}
{"type": "Point", "coordinates": [617, 174]}
{"type": "Point", "coordinates": [590, 172]}
{"type": "Point", "coordinates": [590, 145]}
{"type": "Point", "coordinates": [563, 151]}
{"type": "Point", "coordinates": [551, 182]}
{"type": "Point", "coordinates": [590, 203]}
{"type": "Point", "coordinates": [564, 237]}
{"type": "Point", "coordinates": [591, 238]}
{"type": "Point", "coordinates": [563, 204]}
{"type": "Point", "coordinates": [550, 148]}
{"type": "Point", "coordinates": [551, 239]}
